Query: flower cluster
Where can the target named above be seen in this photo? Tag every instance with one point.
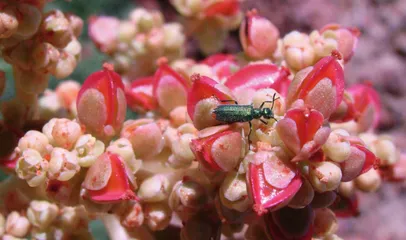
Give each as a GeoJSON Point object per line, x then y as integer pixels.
{"type": "Point", "coordinates": [269, 144]}
{"type": "Point", "coordinates": [135, 43]}
{"type": "Point", "coordinates": [210, 21]}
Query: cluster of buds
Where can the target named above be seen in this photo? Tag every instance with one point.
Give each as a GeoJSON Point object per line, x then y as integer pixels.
{"type": "Point", "coordinates": [221, 147]}
{"type": "Point", "coordinates": [36, 44]}
{"type": "Point", "coordinates": [60, 103]}
{"type": "Point", "coordinates": [261, 40]}
{"type": "Point", "coordinates": [210, 21]}
{"type": "Point", "coordinates": [44, 220]}
{"type": "Point", "coordinates": [135, 43]}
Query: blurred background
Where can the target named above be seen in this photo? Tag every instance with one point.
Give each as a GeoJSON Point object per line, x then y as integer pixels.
{"type": "Point", "coordinates": [380, 58]}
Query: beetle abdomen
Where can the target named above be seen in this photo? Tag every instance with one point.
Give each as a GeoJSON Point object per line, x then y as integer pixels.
{"type": "Point", "coordinates": [233, 113]}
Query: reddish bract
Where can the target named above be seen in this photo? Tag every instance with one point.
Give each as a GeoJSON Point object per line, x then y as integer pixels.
{"type": "Point", "coordinates": [265, 196]}
{"type": "Point", "coordinates": [107, 189]}
{"type": "Point", "coordinates": [302, 132]}
{"type": "Point", "coordinates": [202, 149]}
{"type": "Point", "coordinates": [222, 65]}
{"type": "Point", "coordinates": [367, 105]}
{"type": "Point", "coordinates": [224, 8]}
{"type": "Point", "coordinates": [169, 88]}
{"type": "Point", "coordinates": [101, 103]}
{"type": "Point", "coordinates": [8, 163]}
{"type": "Point", "coordinates": [322, 88]}
{"type": "Point", "coordinates": [204, 88]}
{"type": "Point", "coordinates": [370, 159]}
{"type": "Point", "coordinates": [104, 32]}
{"type": "Point", "coordinates": [260, 76]}
{"type": "Point", "coordinates": [139, 95]}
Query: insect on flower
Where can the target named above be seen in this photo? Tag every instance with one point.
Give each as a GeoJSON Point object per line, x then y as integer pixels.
{"type": "Point", "coordinates": [231, 113]}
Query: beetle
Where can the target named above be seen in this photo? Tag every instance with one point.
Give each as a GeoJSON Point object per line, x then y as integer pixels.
{"type": "Point", "coordinates": [231, 113]}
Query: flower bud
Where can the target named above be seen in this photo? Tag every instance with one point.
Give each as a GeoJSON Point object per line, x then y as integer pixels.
{"type": "Point", "coordinates": [101, 103]}
{"type": "Point", "coordinates": [179, 142]}
{"type": "Point", "coordinates": [369, 181]}
{"type": "Point", "coordinates": [87, 149]}
{"type": "Point", "coordinates": [324, 176]}
{"type": "Point", "coordinates": [46, 57]}
{"type": "Point", "coordinates": [382, 147]}
{"type": "Point", "coordinates": [154, 189]}
{"type": "Point", "coordinates": [347, 189]}
{"type": "Point", "coordinates": [35, 140]}
{"type": "Point", "coordinates": [347, 38]}
{"type": "Point", "coordinates": [303, 197]}
{"type": "Point", "coordinates": [188, 8]}
{"type": "Point", "coordinates": [325, 222]}
{"type": "Point", "coordinates": [65, 65]}
{"type": "Point", "coordinates": [323, 43]}
{"type": "Point", "coordinates": [321, 87]}
{"type": "Point", "coordinates": [123, 147]}
{"type": "Point", "coordinates": [62, 132]}
{"type": "Point", "coordinates": [126, 31]}
{"type": "Point", "coordinates": [132, 215]}
{"type": "Point", "coordinates": [41, 214]}
{"type": "Point", "coordinates": [67, 92]}
{"type": "Point", "coordinates": [234, 193]}
{"type": "Point", "coordinates": [337, 148]}
{"type": "Point", "coordinates": [104, 33]}
{"type": "Point", "coordinates": [145, 20]}
{"type": "Point", "coordinates": [157, 216]}
{"type": "Point", "coordinates": [76, 24]}
{"type": "Point", "coordinates": [359, 162]}
{"type": "Point", "coordinates": [145, 136]}
{"type": "Point", "coordinates": [297, 50]}
{"type": "Point", "coordinates": [174, 38]}
{"type": "Point", "coordinates": [56, 29]}
{"type": "Point", "coordinates": [187, 198]}
{"type": "Point", "coordinates": [140, 97]}
{"type": "Point", "coordinates": [178, 116]}
{"type": "Point", "coordinates": [32, 167]}
{"type": "Point", "coordinates": [8, 22]}
{"type": "Point", "coordinates": [17, 225]}
{"type": "Point", "coordinates": [29, 23]}
{"type": "Point", "coordinates": [63, 165]}
{"type": "Point", "coordinates": [73, 218]}
{"type": "Point", "coordinates": [258, 36]}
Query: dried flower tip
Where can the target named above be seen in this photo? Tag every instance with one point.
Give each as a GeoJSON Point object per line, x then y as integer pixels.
{"type": "Point", "coordinates": [35, 140]}
{"type": "Point", "coordinates": [133, 217]}
{"type": "Point", "coordinates": [63, 165]}
{"type": "Point", "coordinates": [324, 176]}
{"type": "Point", "coordinates": [157, 216]}
{"type": "Point", "coordinates": [56, 29]}
{"type": "Point", "coordinates": [72, 218]}
{"type": "Point", "coordinates": [154, 189]}
{"type": "Point", "coordinates": [17, 225]}
{"type": "Point", "coordinates": [41, 214]}
{"type": "Point", "coordinates": [32, 167]}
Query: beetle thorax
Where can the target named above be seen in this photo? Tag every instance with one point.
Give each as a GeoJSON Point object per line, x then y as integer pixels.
{"type": "Point", "coordinates": [256, 113]}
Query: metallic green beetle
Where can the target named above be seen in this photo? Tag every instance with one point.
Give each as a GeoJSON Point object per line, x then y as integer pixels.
{"type": "Point", "coordinates": [231, 113]}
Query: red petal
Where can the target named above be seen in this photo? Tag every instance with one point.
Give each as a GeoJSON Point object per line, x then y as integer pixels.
{"type": "Point", "coordinates": [259, 76]}
{"type": "Point", "coordinates": [203, 87]}
{"type": "Point", "coordinates": [364, 95]}
{"type": "Point", "coordinates": [307, 126]}
{"type": "Point", "coordinates": [370, 159]}
{"type": "Point", "coordinates": [140, 96]}
{"type": "Point", "coordinates": [118, 186]}
{"type": "Point", "coordinates": [327, 67]}
{"type": "Point", "coordinates": [264, 195]}
{"type": "Point", "coordinates": [222, 64]}
{"type": "Point", "coordinates": [201, 147]}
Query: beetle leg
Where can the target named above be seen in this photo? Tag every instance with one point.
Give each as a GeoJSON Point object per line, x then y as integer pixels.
{"type": "Point", "coordinates": [249, 136]}
{"type": "Point", "coordinates": [273, 100]}
{"type": "Point", "coordinates": [263, 103]}
{"type": "Point", "coordinates": [263, 121]}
